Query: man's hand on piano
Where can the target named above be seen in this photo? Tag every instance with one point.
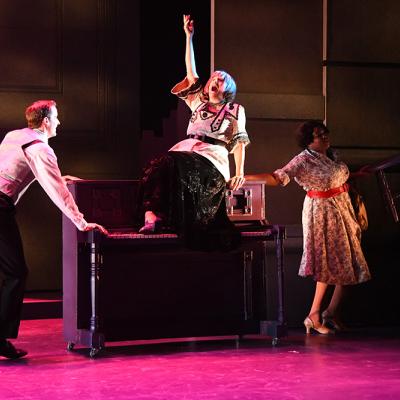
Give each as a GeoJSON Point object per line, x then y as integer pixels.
{"type": "Point", "coordinates": [69, 178]}
{"type": "Point", "coordinates": [92, 225]}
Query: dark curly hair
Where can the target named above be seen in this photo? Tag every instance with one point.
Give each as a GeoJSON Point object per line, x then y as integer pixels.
{"type": "Point", "coordinates": [305, 132]}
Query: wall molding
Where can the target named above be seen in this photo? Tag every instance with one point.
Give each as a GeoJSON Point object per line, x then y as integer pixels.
{"type": "Point", "coordinates": [282, 106]}
{"type": "Point", "coordinates": [107, 74]}
{"type": "Point", "coordinates": [360, 64]}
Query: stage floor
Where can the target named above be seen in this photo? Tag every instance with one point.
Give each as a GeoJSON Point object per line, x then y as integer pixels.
{"type": "Point", "coordinates": [363, 364]}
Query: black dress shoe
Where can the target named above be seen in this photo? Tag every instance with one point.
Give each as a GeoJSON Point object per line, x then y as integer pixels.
{"type": "Point", "coordinates": [8, 350]}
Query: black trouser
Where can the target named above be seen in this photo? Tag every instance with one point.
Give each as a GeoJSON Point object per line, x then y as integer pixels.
{"type": "Point", "coordinates": [13, 268]}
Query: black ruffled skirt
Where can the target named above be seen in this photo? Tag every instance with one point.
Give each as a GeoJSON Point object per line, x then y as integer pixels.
{"type": "Point", "coordinates": [188, 193]}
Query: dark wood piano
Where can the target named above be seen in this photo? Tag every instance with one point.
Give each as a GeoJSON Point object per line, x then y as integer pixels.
{"type": "Point", "coordinates": [129, 286]}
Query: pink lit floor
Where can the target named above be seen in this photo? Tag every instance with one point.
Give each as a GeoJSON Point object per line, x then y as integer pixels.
{"type": "Point", "coordinates": [362, 365]}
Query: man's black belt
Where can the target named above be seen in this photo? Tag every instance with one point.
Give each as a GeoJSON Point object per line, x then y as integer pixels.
{"type": "Point", "coordinates": [207, 139]}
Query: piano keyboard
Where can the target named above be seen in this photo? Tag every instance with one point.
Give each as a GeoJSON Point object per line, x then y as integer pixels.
{"type": "Point", "coordinates": [135, 235]}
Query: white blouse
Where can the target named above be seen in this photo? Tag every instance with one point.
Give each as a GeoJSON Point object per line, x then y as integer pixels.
{"type": "Point", "coordinates": [227, 125]}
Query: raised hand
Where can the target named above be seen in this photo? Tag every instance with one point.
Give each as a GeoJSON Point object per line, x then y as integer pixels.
{"type": "Point", "coordinates": [188, 25]}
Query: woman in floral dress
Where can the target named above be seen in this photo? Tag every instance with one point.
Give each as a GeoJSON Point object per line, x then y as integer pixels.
{"type": "Point", "coordinates": [185, 189]}
{"type": "Point", "coordinates": [332, 252]}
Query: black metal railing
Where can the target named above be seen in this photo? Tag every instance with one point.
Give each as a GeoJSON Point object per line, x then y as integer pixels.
{"type": "Point", "coordinates": [390, 194]}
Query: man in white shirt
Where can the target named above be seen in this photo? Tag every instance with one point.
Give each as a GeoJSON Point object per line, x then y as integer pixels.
{"type": "Point", "coordinates": [25, 156]}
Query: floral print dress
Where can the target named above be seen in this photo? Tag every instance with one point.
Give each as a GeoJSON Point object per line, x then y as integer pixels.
{"type": "Point", "coordinates": [331, 235]}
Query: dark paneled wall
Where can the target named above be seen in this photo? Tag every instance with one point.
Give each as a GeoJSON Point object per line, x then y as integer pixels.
{"type": "Point", "coordinates": [272, 46]}
{"type": "Point", "coordinates": [274, 50]}
{"type": "Point", "coordinates": [85, 55]}
{"type": "Point", "coordinates": [363, 74]}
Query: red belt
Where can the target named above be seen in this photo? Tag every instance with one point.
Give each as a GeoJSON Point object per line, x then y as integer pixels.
{"type": "Point", "coordinates": [328, 193]}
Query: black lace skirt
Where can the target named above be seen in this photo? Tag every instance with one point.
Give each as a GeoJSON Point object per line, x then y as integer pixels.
{"type": "Point", "coordinates": [188, 193]}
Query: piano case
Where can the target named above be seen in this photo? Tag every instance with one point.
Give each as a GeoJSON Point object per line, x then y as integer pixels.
{"type": "Point", "coordinates": [129, 286]}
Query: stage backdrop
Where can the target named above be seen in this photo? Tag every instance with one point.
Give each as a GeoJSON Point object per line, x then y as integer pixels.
{"type": "Point", "coordinates": [111, 63]}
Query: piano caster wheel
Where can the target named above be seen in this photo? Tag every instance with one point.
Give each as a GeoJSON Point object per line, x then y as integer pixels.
{"type": "Point", "coordinates": [70, 346]}
{"type": "Point", "coordinates": [275, 341]}
{"type": "Point", "coordinates": [93, 352]}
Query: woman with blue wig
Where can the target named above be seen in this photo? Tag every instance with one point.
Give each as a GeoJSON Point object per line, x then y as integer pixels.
{"type": "Point", "coordinates": [185, 190]}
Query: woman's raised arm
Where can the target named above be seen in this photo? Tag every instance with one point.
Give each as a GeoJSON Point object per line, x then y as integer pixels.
{"type": "Point", "coordinates": [190, 62]}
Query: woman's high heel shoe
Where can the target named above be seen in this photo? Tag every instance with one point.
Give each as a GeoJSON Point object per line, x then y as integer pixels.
{"type": "Point", "coordinates": [309, 324]}
{"type": "Point", "coordinates": [332, 322]}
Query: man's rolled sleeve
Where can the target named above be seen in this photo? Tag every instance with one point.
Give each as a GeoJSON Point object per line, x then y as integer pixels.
{"type": "Point", "coordinates": [43, 163]}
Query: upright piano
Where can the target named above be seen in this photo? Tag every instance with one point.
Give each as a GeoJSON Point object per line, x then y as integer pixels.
{"type": "Point", "coordinates": [127, 286]}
